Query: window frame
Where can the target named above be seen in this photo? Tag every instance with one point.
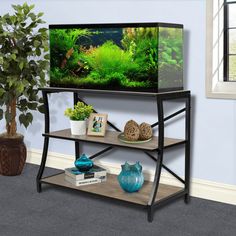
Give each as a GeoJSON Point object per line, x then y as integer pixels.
{"type": "Point", "coordinates": [227, 29]}
{"type": "Point", "coordinates": [219, 88]}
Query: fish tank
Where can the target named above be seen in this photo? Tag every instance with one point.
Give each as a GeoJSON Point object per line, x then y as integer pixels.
{"type": "Point", "coordinates": [145, 57]}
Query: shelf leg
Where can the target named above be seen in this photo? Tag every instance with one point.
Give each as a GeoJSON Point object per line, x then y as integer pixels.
{"type": "Point", "coordinates": [77, 150]}
{"type": "Point", "coordinates": [42, 165]}
{"type": "Point", "coordinates": [186, 198]}
{"type": "Point", "coordinates": [46, 142]}
{"type": "Point", "coordinates": [159, 161]}
{"type": "Point", "coordinates": [150, 213]}
{"type": "Point", "coordinates": [187, 148]}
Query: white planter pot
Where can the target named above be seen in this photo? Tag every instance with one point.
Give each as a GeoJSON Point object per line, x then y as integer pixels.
{"type": "Point", "coordinates": [78, 127]}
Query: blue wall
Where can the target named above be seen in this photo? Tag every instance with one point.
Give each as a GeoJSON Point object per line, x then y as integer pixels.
{"type": "Point", "coordinates": [214, 121]}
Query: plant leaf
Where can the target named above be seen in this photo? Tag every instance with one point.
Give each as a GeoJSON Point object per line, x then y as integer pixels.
{"type": "Point", "coordinates": [29, 117]}
{"type": "Point", "coordinates": [33, 105]}
{"type": "Point", "coordinates": [40, 14]}
{"type": "Point", "coordinates": [26, 119]}
{"type": "Point", "coordinates": [47, 57]}
{"type": "Point", "coordinates": [21, 65]}
{"type": "Point", "coordinates": [2, 91]}
{"type": "Point", "coordinates": [13, 56]}
{"type": "Point", "coordinates": [41, 109]}
{"type": "Point", "coordinates": [22, 119]}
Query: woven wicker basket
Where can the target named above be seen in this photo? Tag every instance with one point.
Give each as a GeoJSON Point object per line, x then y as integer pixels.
{"type": "Point", "coordinates": [12, 155]}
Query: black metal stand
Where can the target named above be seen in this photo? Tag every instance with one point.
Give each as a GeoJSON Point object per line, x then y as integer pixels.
{"type": "Point", "coordinates": [160, 98]}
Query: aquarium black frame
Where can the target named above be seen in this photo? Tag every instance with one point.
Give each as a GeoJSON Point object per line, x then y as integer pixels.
{"type": "Point", "coordinates": [116, 25]}
{"type": "Point", "coordinates": [184, 96]}
{"type": "Point", "coordinates": [119, 25]}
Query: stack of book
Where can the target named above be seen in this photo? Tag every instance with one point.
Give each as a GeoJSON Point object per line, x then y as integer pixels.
{"type": "Point", "coordinates": [95, 175]}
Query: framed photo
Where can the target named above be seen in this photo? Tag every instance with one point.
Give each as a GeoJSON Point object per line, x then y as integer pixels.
{"type": "Point", "coordinates": [97, 124]}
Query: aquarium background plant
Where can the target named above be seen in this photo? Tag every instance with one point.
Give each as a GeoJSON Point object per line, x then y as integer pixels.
{"type": "Point", "coordinates": [128, 58]}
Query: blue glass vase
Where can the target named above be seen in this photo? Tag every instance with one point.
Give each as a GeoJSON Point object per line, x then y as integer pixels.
{"type": "Point", "coordinates": [83, 163]}
{"type": "Point", "coordinates": [131, 177]}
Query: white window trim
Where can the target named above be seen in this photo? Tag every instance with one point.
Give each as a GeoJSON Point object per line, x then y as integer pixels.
{"type": "Point", "coordinates": [219, 89]}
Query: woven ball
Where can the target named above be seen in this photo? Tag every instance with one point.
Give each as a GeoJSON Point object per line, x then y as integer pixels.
{"type": "Point", "coordinates": [145, 131]}
{"type": "Point", "coordinates": [131, 130]}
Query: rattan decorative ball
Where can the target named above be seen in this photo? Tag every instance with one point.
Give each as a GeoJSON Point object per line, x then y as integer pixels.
{"type": "Point", "coordinates": [145, 131]}
{"type": "Point", "coordinates": [131, 130]}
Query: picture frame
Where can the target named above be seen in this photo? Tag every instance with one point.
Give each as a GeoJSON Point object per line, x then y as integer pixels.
{"type": "Point", "coordinates": [97, 124]}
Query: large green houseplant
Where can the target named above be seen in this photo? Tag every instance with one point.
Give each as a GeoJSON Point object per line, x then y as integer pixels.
{"type": "Point", "coordinates": [23, 68]}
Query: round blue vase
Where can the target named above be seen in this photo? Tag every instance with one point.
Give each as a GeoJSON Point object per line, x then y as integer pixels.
{"type": "Point", "coordinates": [83, 163]}
{"type": "Point", "coordinates": [131, 177]}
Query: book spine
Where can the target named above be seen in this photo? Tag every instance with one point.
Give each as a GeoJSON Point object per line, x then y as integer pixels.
{"type": "Point", "coordinates": [85, 182]}
{"type": "Point", "coordinates": [86, 175]}
{"type": "Point", "coordinates": [95, 175]}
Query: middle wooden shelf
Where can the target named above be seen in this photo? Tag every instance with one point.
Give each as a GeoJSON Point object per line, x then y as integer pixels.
{"type": "Point", "coordinates": [111, 138]}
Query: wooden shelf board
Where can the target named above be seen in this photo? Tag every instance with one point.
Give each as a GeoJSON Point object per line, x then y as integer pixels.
{"type": "Point", "coordinates": [112, 189]}
{"type": "Point", "coordinates": [111, 138]}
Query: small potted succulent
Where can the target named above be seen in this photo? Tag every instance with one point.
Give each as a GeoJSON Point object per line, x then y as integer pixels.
{"type": "Point", "coordinates": [78, 117]}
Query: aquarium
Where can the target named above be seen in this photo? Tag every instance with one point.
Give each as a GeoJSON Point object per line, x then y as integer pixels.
{"type": "Point", "coordinates": [145, 57]}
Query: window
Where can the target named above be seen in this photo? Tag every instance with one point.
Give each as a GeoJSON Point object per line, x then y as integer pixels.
{"type": "Point", "coordinates": [229, 40]}
{"type": "Point", "coordinates": [221, 49]}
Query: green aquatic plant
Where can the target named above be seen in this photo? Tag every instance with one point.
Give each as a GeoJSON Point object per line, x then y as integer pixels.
{"type": "Point", "coordinates": [90, 82]}
{"type": "Point", "coordinates": [146, 54]}
{"type": "Point", "coordinates": [63, 44]}
{"type": "Point", "coordinates": [131, 36]}
{"type": "Point", "coordinates": [142, 43]}
{"type": "Point", "coordinates": [171, 47]}
{"type": "Point", "coordinates": [127, 83]}
{"type": "Point", "coordinates": [115, 79]}
{"type": "Point", "coordinates": [154, 50]}
{"type": "Point", "coordinates": [57, 73]}
{"type": "Point", "coordinates": [109, 58]}
{"type": "Point", "coordinates": [170, 57]}
{"type": "Point", "coordinates": [75, 63]}
{"type": "Point", "coordinates": [87, 82]}
{"type": "Point", "coordinates": [65, 39]}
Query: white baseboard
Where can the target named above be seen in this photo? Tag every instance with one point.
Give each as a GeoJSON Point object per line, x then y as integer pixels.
{"type": "Point", "coordinates": [199, 188]}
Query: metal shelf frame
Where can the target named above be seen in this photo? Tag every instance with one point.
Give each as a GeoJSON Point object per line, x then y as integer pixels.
{"type": "Point", "coordinates": [152, 204]}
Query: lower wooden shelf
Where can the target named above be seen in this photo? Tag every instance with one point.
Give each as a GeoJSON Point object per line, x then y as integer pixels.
{"type": "Point", "coordinates": [111, 189]}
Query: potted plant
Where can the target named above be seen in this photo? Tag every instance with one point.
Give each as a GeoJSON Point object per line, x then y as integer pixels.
{"type": "Point", "coordinates": [78, 117]}
{"type": "Point", "coordinates": [23, 67]}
